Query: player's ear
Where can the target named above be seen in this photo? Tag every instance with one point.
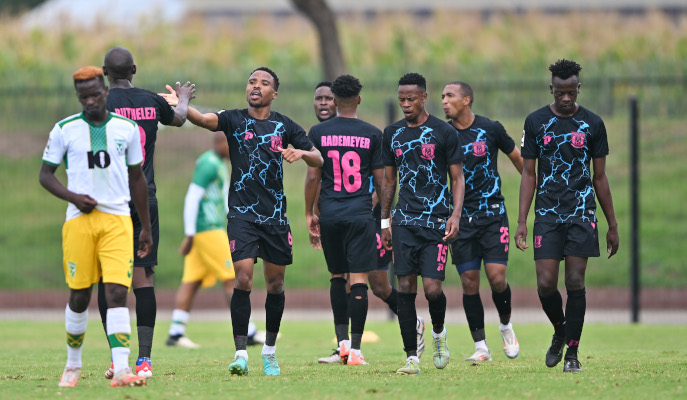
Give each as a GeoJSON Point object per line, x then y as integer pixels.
{"type": "Point", "coordinates": [359, 99]}
{"type": "Point", "coordinates": [104, 70]}
{"type": "Point", "coordinates": [133, 70]}
{"type": "Point", "coordinates": [275, 95]}
{"type": "Point", "coordinates": [550, 88]}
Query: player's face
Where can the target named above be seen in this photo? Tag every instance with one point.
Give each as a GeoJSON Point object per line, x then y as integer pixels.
{"type": "Point", "coordinates": [92, 95]}
{"type": "Point", "coordinates": [565, 93]}
{"type": "Point", "coordinates": [324, 103]}
{"type": "Point", "coordinates": [412, 101]}
{"type": "Point", "coordinates": [260, 89]}
{"type": "Point", "coordinates": [454, 102]}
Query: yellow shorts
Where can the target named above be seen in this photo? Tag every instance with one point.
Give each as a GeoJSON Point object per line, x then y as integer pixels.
{"type": "Point", "coordinates": [98, 244]}
{"type": "Point", "coordinates": [209, 259]}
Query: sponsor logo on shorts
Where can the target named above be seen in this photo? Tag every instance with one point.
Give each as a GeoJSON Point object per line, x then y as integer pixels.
{"type": "Point", "coordinates": [232, 245]}
{"type": "Point", "coordinates": [428, 151]}
{"type": "Point", "coordinates": [537, 242]}
{"type": "Point", "coordinates": [72, 268]}
{"type": "Point", "coordinates": [440, 267]}
{"type": "Point", "coordinates": [131, 268]}
{"type": "Point", "coordinates": [290, 239]}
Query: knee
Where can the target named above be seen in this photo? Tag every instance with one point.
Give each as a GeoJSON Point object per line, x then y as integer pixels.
{"type": "Point", "coordinates": [498, 284]}
{"type": "Point", "coordinates": [243, 282]}
{"type": "Point", "coordinates": [574, 283]}
{"type": "Point", "coordinates": [545, 286]}
{"type": "Point", "coordinates": [78, 301]}
{"type": "Point", "coordinates": [117, 295]}
{"type": "Point", "coordinates": [275, 285]}
{"type": "Point", "coordinates": [433, 292]}
{"type": "Point", "coordinates": [470, 285]}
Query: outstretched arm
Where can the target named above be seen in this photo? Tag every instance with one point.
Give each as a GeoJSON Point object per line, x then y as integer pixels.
{"type": "Point", "coordinates": [527, 185]}
{"type": "Point", "coordinates": [207, 121]}
{"type": "Point", "coordinates": [184, 95]}
{"type": "Point", "coordinates": [603, 192]}
{"type": "Point", "coordinates": [311, 157]}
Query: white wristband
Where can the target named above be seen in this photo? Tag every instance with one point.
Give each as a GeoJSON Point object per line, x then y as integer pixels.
{"type": "Point", "coordinates": [385, 223]}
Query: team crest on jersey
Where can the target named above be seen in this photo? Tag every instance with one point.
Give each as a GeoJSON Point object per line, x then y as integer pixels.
{"type": "Point", "coordinates": [428, 151]}
{"type": "Point", "coordinates": [537, 242]}
{"type": "Point", "coordinates": [248, 135]}
{"type": "Point", "coordinates": [547, 139]}
{"type": "Point", "coordinates": [275, 143]}
{"type": "Point", "coordinates": [578, 139]}
{"type": "Point", "coordinates": [479, 149]}
{"type": "Point", "coordinates": [72, 269]}
{"type": "Point", "coordinates": [119, 145]}
{"type": "Point", "coordinates": [399, 152]}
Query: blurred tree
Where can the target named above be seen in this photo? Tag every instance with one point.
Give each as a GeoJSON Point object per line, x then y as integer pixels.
{"type": "Point", "coordinates": [17, 6]}
{"type": "Point", "coordinates": [322, 17]}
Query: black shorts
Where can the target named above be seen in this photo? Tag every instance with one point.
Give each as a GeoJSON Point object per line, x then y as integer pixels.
{"type": "Point", "coordinates": [272, 243]}
{"type": "Point", "coordinates": [480, 238]}
{"type": "Point", "coordinates": [149, 261]}
{"type": "Point", "coordinates": [384, 256]}
{"type": "Point", "coordinates": [420, 251]}
{"type": "Point", "coordinates": [555, 240]}
{"type": "Point", "coordinates": [349, 245]}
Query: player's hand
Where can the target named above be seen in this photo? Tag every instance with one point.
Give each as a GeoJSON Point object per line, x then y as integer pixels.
{"type": "Point", "coordinates": [84, 203]}
{"type": "Point", "coordinates": [145, 243]}
{"type": "Point", "coordinates": [451, 229]}
{"type": "Point", "coordinates": [612, 241]}
{"type": "Point", "coordinates": [315, 242]}
{"type": "Point", "coordinates": [186, 245]}
{"type": "Point", "coordinates": [291, 154]}
{"type": "Point", "coordinates": [186, 91]}
{"type": "Point", "coordinates": [170, 97]}
{"type": "Point", "coordinates": [313, 224]}
{"type": "Point", "coordinates": [521, 236]}
{"type": "Point", "coordinates": [386, 239]}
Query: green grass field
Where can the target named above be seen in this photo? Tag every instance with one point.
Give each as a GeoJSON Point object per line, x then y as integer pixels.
{"type": "Point", "coordinates": [619, 362]}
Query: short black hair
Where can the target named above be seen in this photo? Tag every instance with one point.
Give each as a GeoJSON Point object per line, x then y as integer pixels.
{"type": "Point", "coordinates": [323, 83]}
{"type": "Point", "coordinates": [413, 78]}
{"type": "Point", "coordinates": [269, 71]}
{"type": "Point", "coordinates": [465, 90]}
{"type": "Point", "coordinates": [564, 69]}
{"type": "Point", "coordinates": [346, 86]}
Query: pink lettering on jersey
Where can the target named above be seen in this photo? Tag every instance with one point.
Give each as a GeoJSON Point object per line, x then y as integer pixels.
{"type": "Point", "coordinates": [275, 143]}
{"type": "Point", "coordinates": [137, 114]}
{"type": "Point", "coordinates": [547, 139]}
{"type": "Point", "coordinates": [537, 242]}
{"type": "Point", "coordinates": [428, 151]}
{"type": "Point", "coordinates": [479, 149]}
{"type": "Point", "coordinates": [290, 239]}
{"type": "Point", "coordinates": [578, 140]}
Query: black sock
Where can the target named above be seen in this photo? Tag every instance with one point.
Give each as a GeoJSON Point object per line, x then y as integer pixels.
{"type": "Point", "coordinates": [407, 319]}
{"type": "Point", "coordinates": [437, 311]}
{"type": "Point", "coordinates": [146, 311]}
{"type": "Point", "coordinates": [240, 315]}
{"type": "Point", "coordinates": [102, 307]}
{"type": "Point", "coordinates": [274, 309]}
{"type": "Point", "coordinates": [392, 301]}
{"type": "Point", "coordinates": [474, 312]}
{"type": "Point", "coordinates": [575, 309]}
{"type": "Point", "coordinates": [553, 307]}
{"type": "Point", "coordinates": [339, 300]}
{"type": "Point", "coordinates": [358, 309]}
{"type": "Point", "coordinates": [502, 303]}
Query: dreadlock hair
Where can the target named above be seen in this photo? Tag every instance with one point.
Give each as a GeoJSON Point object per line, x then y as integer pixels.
{"type": "Point", "coordinates": [346, 86]}
{"type": "Point", "coordinates": [269, 71]}
{"type": "Point", "coordinates": [564, 69]}
{"type": "Point", "coordinates": [413, 78]}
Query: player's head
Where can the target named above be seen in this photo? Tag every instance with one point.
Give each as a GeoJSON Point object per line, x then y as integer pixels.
{"type": "Point", "coordinates": [262, 87]}
{"type": "Point", "coordinates": [91, 91]}
{"type": "Point", "coordinates": [346, 89]}
{"type": "Point", "coordinates": [220, 144]}
{"type": "Point", "coordinates": [119, 64]}
{"type": "Point", "coordinates": [324, 101]}
{"type": "Point", "coordinates": [412, 94]}
{"type": "Point", "coordinates": [565, 85]}
{"type": "Point", "coordinates": [456, 99]}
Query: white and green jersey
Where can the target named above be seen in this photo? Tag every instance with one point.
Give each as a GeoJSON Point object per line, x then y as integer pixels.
{"type": "Point", "coordinates": [96, 158]}
{"type": "Point", "coordinates": [212, 175]}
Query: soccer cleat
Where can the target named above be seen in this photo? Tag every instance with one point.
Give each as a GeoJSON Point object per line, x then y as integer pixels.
{"type": "Point", "coordinates": [239, 366]}
{"type": "Point", "coordinates": [354, 359]}
{"type": "Point", "coordinates": [125, 377]}
{"type": "Point", "coordinates": [70, 377]}
{"type": "Point", "coordinates": [412, 367]}
{"type": "Point", "coordinates": [555, 353]}
{"type": "Point", "coordinates": [440, 355]}
{"type": "Point", "coordinates": [420, 328]}
{"type": "Point", "coordinates": [344, 350]}
{"type": "Point", "coordinates": [270, 365]}
{"type": "Point", "coordinates": [480, 355]}
{"type": "Point", "coordinates": [110, 371]}
{"type": "Point", "coordinates": [144, 367]}
{"type": "Point", "coordinates": [182, 341]}
{"type": "Point", "coordinates": [335, 358]}
{"type": "Point", "coordinates": [510, 343]}
{"type": "Point", "coordinates": [572, 365]}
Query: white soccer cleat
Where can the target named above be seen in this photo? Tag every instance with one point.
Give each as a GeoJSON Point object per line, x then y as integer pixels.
{"type": "Point", "coordinates": [420, 329]}
{"type": "Point", "coordinates": [480, 355]}
{"type": "Point", "coordinates": [187, 343]}
{"type": "Point", "coordinates": [510, 343]}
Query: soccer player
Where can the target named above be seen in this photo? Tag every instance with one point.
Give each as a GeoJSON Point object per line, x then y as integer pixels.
{"type": "Point", "coordinates": [258, 227]}
{"type": "Point", "coordinates": [323, 101]}
{"type": "Point", "coordinates": [422, 149]}
{"type": "Point", "coordinates": [147, 109]}
{"type": "Point", "coordinates": [102, 155]}
{"type": "Point", "coordinates": [563, 139]}
{"type": "Point", "coordinates": [483, 234]}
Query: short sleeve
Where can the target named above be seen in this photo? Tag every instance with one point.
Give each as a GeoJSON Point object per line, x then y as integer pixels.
{"type": "Point", "coordinates": [377, 161]}
{"type": "Point", "coordinates": [134, 150]}
{"type": "Point", "coordinates": [166, 111]}
{"type": "Point", "coordinates": [204, 173]}
{"type": "Point", "coordinates": [599, 141]}
{"type": "Point", "coordinates": [223, 121]}
{"type": "Point", "coordinates": [314, 138]}
{"type": "Point", "coordinates": [55, 148]}
{"type": "Point", "coordinates": [529, 148]}
{"type": "Point", "coordinates": [297, 137]}
{"type": "Point", "coordinates": [503, 141]}
{"type": "Point", "coordinates": [387, 152]}
{"type": "Point", "coordinates": [453, 155]}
